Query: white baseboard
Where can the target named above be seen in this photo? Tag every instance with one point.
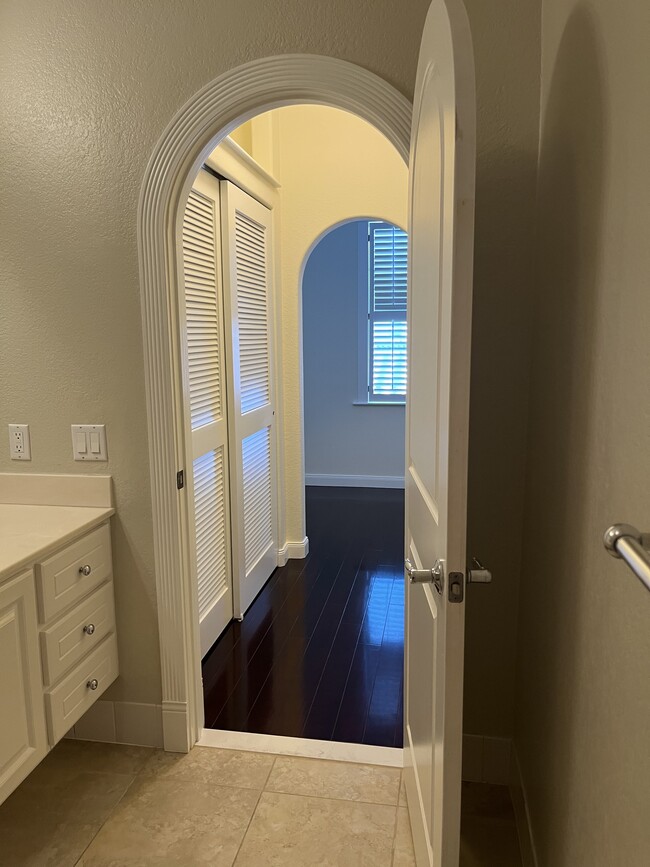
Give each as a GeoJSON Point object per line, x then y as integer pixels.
{"type": "Point", "coordinates": [486, 759]}
{"type": "Point", "coordinates": [522, 815]}
{"type": "Point", "coordinates": [328, 481]}
{"type": "Point", "coordinates": [121, 722]}
{"type": "Point", "coordinates": [312, 749]}
{"type": "Point", "coordinates": [293, 551]}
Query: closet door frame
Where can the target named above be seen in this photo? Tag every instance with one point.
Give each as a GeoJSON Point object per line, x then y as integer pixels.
{"type": "Point", "coordinates": [185, 144]}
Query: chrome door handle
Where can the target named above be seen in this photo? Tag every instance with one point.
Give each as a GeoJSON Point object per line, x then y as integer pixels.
{"type": "Point", "coordinates": [435, 576]}
{"type": "Point", "coordinates": [478, 574]}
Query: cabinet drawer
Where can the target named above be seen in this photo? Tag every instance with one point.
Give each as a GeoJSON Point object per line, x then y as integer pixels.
{"type": "Point", "coordinates": [77, 633]}
{"type": "Point", "coordinates": [69, 701]}
{"type": "Point", "coordinates": [61, 580]}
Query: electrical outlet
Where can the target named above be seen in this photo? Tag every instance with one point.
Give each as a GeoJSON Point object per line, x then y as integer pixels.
{"type": "Point", "coordinates": [20, 448]}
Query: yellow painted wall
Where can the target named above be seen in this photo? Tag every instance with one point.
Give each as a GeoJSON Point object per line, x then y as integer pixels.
{"type": "Point", "coordinates": [243, 136]}
{"type": "Point", "coordinates": [332, 167]}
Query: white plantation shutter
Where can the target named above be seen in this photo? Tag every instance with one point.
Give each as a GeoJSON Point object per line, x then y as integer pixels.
{"type": "Point", "coordinates": [202, 321]}
{"type": "Point", "coordinates": [388, 347]}
{"type": "Point", "coordinates": [248, 276]}
{"type": "Point", "coordinates": [387, 292]}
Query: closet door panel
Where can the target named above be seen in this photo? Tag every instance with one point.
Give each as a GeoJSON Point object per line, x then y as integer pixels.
{"type": "Point", "coordinates": [247, 250]}
{"type": "Point", "coordinates": [202, 323]}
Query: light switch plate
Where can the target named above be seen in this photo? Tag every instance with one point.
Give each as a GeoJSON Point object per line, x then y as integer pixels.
{"type": "Point", "coordinates": [89, 442]}
{"type": "Point", "coordinates": [20, 447]}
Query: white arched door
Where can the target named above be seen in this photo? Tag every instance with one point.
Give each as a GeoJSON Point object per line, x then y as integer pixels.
{"type": "Point", "coordinates": [439, 325]}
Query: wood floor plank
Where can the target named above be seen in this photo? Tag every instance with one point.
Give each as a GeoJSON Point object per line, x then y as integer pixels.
{"type": "Point", "coordinates": [320, 651]}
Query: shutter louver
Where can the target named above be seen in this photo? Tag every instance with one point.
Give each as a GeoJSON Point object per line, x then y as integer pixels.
{"type": "Point", "coordinates": [201, 310]}
{"type": "Point", "coordinates": [252, 312]}
{"type": "Point", "coordinates": [389, 357]}
{"type": "Point", "coordinates": [388, 282]}
{"type": "Point", "coordinates": [210, 527]}
{"type": "Point", "coordinates": [389, 263]}
{"type": "Point", "coordinates": [258, 510]}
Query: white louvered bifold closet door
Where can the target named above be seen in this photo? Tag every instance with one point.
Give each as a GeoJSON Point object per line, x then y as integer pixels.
{"type": "Point", "coordinates": [248, 274]}
{"type": "Point", "coordinates": [202, 318]}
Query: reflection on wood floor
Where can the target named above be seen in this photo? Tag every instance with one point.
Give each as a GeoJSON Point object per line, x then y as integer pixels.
{"type": "Point", "coordinates": [320, 651]}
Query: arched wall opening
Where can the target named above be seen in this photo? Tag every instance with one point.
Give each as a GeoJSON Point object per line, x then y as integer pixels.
{"type": "Point", "coordinates": [352, 438]}
{"type": "Point", "coordinates": [207, 118]}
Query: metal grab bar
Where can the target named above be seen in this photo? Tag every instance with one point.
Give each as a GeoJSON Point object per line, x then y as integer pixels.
{"type": "Point", "coordinates": [627, 543]}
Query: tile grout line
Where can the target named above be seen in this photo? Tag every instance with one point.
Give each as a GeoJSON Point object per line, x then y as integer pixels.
{"type": "Point", "coordinates": [392, 850]}
{"type": "Point", "coordinates": [331, 798]}
{"type": "Point", "coordinates": [257, 803]}
{"type": "Point", "coordinates": [109, 815]}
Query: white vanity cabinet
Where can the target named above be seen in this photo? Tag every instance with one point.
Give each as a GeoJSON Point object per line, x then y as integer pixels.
{"type": "Point", "coordinates": [58, 650]}
{"type": "Point", "coordinates": [23, 741]}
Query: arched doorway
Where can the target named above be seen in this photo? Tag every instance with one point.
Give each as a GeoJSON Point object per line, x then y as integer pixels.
{"type": "Point", "coordinates": [208, 116]}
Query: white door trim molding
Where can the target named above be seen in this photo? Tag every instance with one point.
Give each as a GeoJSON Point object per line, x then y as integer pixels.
{"type": "Point", "coordinates": [209, 116]}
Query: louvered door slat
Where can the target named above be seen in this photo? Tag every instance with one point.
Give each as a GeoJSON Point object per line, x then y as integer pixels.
{"type": "Point", "coordinates": [202, 311]}
{"type": "Point", "coordinates": [252, 308]}
{"type": "Point", "coordinates": [248, 241]}
{"type": "Point", "coordinates": [203, 320]}
{"type": "Point", "coordinates": [258, 519]}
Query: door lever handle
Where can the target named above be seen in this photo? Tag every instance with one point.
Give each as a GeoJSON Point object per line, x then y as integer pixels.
{"type": "Point", "coordinates": [478, 574]}
{"type": "Point", "coordinates": [435, 576]}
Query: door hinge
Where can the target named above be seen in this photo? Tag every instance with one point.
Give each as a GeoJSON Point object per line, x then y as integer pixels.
{"type": "Point", "coordinates": [456, 586]}
{"type": "Point", "coordinates": [180, 479]}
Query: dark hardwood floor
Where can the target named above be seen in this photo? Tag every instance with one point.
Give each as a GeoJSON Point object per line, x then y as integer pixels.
{"type": "Point", "coordinates": [320, 652]}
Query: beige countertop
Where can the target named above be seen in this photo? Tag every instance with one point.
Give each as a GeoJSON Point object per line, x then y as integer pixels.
{"type": "Point", "coordinates": [30, 533]}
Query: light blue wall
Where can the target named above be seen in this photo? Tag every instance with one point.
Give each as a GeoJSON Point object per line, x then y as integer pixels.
{"type": "Point", "coordinates": [341, 439]}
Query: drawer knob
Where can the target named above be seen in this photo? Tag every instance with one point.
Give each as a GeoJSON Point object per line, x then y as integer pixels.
{"type": "Point", "coordinates": [92, 684]}
{"type": "Point", "coordinates": [85, 570]}
{"type": "Point", "coordinates": [89, 629]}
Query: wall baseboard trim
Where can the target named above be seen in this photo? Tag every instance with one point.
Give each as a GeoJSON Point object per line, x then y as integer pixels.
{"type": "Point", "coordinates": [121, 722]}
{"type": "Point", "coordinates": [329, 481]}
{"type": "Point", "coordinates": [522, 814]}
{"type": "Point", "coordinates": [293, 551]}
{"type": "Point", "coordinates": [312, 749]}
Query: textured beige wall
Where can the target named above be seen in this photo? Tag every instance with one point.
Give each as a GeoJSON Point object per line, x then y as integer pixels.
{"type": "Point", "coordinates": [86, 91]}
{"type": "Point", "coordinates": [583, 702]}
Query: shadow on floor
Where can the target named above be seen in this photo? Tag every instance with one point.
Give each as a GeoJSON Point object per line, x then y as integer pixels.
{"type": "Point", "coordinates": [488, 836]}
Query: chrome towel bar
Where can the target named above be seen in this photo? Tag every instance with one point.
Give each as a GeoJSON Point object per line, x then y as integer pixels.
{"type": "Point", "coordinates": [627, 543]}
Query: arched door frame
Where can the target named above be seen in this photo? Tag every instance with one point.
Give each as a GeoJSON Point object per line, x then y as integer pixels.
{"type": "Point", "coordinates": [210, 115]}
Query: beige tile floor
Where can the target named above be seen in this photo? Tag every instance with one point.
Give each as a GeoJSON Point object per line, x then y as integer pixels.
{"type": "Point", "coordinates": [101, 804]}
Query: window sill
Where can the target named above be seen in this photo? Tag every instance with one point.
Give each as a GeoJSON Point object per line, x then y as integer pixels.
{"type": "Point", "coordinates": [379, 403]}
